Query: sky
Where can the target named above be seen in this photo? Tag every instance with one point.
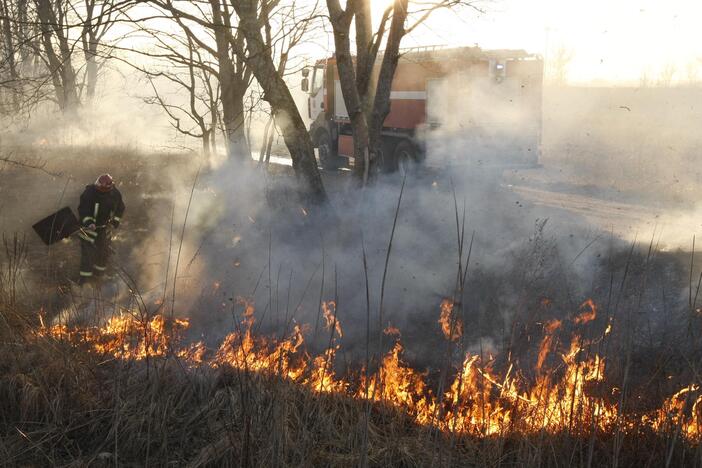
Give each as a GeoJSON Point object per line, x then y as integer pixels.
{"type": "Point", "coordinates": [611, 41]}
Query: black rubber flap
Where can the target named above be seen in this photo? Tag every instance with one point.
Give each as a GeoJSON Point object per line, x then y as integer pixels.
{"type": "Point", "coordinates": [57, 226]}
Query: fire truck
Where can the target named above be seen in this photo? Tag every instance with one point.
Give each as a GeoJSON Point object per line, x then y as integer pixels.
{"type": "Point", "coordinates": [448, 106]}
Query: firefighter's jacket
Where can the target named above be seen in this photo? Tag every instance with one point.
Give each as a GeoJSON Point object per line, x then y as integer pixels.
{"type": "Point", "coordinates": [100, 209]}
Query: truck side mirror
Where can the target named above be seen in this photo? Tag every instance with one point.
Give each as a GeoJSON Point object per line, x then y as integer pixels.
{"type": "Point", "coordinates": [305, 85]}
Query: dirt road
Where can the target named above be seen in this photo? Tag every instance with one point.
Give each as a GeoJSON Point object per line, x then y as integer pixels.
{"type": "Point", "coordinates": [622, 217]}
{"type": "Point", "coordinates": [675, 227]}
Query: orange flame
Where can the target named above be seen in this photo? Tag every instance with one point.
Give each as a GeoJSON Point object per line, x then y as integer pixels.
{"type": "Point", "coordinates": [329, 313]}
{"type": "Point", "coordinates": [589, 314]}
{"type": "Point", "coordinates": [451, 325]}
{"type": "Point", "coordinates": [129, 336]}
{"type": "Point", "coordinates": [547, 342]}
{"type": "Point", "coordinates": [392, 331]}
{"type": "Point", "coordinates": [477, 400]}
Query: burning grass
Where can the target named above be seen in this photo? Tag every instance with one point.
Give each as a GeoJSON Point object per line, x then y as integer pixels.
{"type": "Point", "coordinates": [564, 389]}
{"type": "Point", "coordinates": [255, 388]}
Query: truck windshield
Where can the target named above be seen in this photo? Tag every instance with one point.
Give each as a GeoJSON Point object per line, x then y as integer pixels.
{"type": "Point", "coordinates": [317, 80]}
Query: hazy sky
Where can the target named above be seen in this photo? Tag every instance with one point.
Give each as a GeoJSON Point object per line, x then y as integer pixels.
{"type": "Point", "coordinates": [611, 40]}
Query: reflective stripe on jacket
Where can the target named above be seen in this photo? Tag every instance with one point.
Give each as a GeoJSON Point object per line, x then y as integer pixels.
{"type": "Point", "coordinates": [100, 207]}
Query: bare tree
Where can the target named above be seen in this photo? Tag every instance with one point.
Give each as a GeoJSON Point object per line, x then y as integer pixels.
{"type": "Point", "coordinates": [23, 75]}
{"type": "Point", "coordinates": [246, 44]}
{"type": "Point", "coordinates": [96, 19]}
{"type": "Point", "coordinates": [198, 116]}
{"type": "Point", "coordinates": [233, 74]}
{"type": "Point", "coordinates": [254, 16]}
{"type": "Point", "coordinates": [58, 50]}
{"type": "Point", "coordinates": [11, 81]}
{"type": "Point", "coordinates": [665, 78]}
{"type": "Point", "coordinates": [176, 62]}
{"type": "Point", "coordinates": [558, 66]}
{"type": "Point", "coordinates": [368, 101]}
{"type": "Point", "coordinates": [288, 36]}
{"type": "Point", "coordinates": [46, 45]}
{"type": "Point", "coordinates": [645, 79]}
{"type": "Point", "coordinates": [693, 75]}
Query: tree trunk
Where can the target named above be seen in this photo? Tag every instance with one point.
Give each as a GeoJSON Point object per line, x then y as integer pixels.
{"type": "Point", "coordinates": [367, 102]}
{"type": "Point", "coordinates": [91, 69]}
{"type": "Point", "coordinates": [9, 48]}
{"type": "Point", "coordinates": [232, 94]}
{"type": "Point", "coordinates": [61, 68]}
{"type": "Point", "coordinates": [68, 74]}
{"type": "Point", "coordinates": [264, 144]}
{"type": "Point", "coordinates": [233, 112]}
{"type": "Point", "coordinates": [361, 146]}
{"type": "Point", "coordinates": [364, 58]}
{"type": "Point", "coordinates": [54, 62]}
{"type": "Point", "coordinates": [269, 146]}
{"type": "Point", "coordinates": [90, 44]}
{"type": "Point", "coordinates": [277, 94]}
{"type": "Point", "coordinates": [70, 90]}
{"type": "Point", "coordinates": [381, 102]}
{"type": "Point", "coordinates": [354, 80]}
{"type": "Point", "coordinates": [206, 143]}
{"type": "Point", "coordinates": [213, 140]}
{"type": "Point", "coordinates": [238, 144]}
{"type": "Point", "coordinates": [22, 33]}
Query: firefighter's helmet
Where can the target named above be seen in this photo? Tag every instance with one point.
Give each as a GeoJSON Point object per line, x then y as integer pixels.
{"type": "Point", "coordinates": [104, 183]}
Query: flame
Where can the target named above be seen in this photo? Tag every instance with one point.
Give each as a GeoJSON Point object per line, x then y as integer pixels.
{"type": "Point", "coordinates": [129, 336]}
{"type": "Point", "coordinates": [451, 325]}
{"type": "Point", "coordinates": [329, 314]}
{"type": "Point", "coordinates": [392, 331]}
{"type": "Point", "coordinates": [476, 399]}
{"type": "Point", "coordinates": [547, 342]}
{"type": "Point", "coordinates": [671, 415]}
{"type": "Point", "coordinates": [243, 351]}
{"type": "Point", "coordinates": [399, 385]}
{"type": "Point", "coordinates": [589, 314]}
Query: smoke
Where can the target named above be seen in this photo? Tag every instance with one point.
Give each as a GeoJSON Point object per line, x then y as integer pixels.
{"type": "Point", "coordinates": [530, 260]}
{"type": "Point", "coordinates": [637, 144]}
{"type": "Point", "coordinates": [541, 240]}
{"type": "Point", "coordinates": [119, 116]}
{"type": "Point", "coordinates": [248, 235]}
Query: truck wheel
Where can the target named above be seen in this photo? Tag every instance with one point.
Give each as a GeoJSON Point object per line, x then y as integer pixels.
{"type": "Point", "coordinates": [406, 158]}
{"type": "Point", "coordinates": [327, 158]}
{"type": "Point", "coordinates": [380, 164]}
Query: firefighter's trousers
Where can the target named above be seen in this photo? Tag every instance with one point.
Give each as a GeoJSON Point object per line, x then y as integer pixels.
{"type": "Point", "coordinates": [94, 255]}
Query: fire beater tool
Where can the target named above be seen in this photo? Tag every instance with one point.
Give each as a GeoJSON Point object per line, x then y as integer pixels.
{"type": "Point", "coordinates": [58, 226]}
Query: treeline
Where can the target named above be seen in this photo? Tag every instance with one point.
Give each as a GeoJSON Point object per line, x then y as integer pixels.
{"type": "Point", "coordinates": [49, 52]}
{"type": "Point", "coordinates": [226, 58]}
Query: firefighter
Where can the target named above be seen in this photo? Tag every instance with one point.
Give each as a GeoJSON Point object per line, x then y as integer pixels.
{"type": "Point", "coordinates": [101, 208]}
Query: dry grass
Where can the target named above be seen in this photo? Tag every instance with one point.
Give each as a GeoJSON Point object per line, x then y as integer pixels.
{"type": "Point", "coordinates": [61, 405]}
{"type": "Point", "coordinates": [65, 405]}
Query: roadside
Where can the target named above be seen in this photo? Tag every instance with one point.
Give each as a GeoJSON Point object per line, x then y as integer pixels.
{"type": "Point", "coordinates": [628, 214]}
